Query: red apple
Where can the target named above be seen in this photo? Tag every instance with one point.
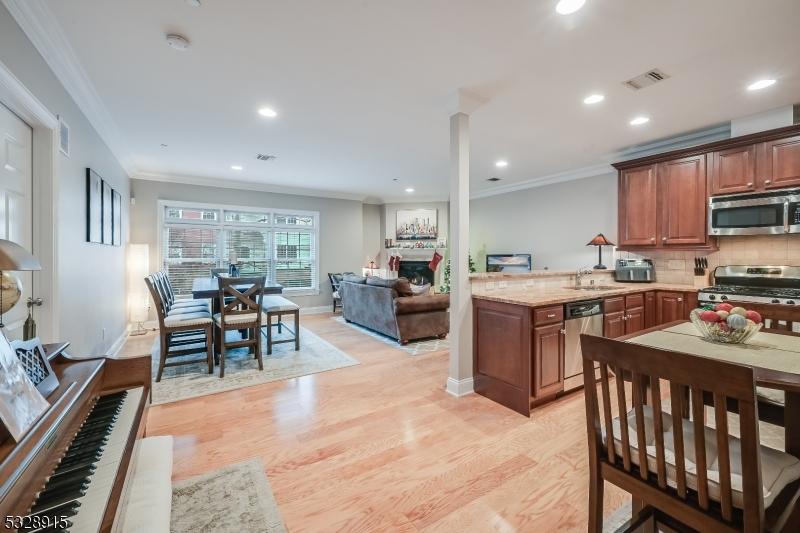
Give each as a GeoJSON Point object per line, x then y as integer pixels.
{"type": "Point", "coordinates": [723, 307]}
{"type": "Point", "coordinates": [754, 316]}
{"type": "Point", "coordinates": [709, 316]}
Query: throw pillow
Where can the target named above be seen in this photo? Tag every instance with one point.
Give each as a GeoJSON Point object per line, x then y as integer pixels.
{"type": "Point", "coordinates": [421, 290]}
{"type": "Point", "coordinates": [403, 287]}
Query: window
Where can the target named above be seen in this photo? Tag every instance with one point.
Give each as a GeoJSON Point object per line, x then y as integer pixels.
{"type": "Point", "coordinates": [279, 244]}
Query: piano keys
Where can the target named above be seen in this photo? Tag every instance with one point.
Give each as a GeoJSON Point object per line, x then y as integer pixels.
{"type": "Point", "coordinates": [69, 472]}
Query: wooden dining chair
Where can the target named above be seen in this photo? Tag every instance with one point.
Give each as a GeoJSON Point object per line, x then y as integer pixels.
{"type": "Point", "coordinates": [241, 311]}
{"type": "Point", "coordinates": [683, 471]}
{"type": "Point", "coordinates": [180, 334]}
{"type": "Point", "coordinates": [778, 318]}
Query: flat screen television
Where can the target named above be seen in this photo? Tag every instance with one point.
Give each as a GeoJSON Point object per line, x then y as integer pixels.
{"type": "Point", "coordinates": [508, 262]}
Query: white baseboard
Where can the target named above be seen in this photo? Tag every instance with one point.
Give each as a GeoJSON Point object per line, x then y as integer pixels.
{"type": "Point", "coordinates": [460, 388]}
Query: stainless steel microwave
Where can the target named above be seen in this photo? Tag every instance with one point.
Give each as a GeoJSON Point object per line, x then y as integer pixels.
{"type": "Point", "coordinates": [767, 213]}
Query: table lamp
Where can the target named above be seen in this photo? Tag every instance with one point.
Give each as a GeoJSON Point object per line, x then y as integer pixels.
{"type": "Point", "coordinates": [13, 257]}
{"type": "Point", "coordinates": [600, 241]}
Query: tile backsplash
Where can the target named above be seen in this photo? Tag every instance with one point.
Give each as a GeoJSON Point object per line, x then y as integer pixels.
{"type": "Point", "coordinates": [678, 267]}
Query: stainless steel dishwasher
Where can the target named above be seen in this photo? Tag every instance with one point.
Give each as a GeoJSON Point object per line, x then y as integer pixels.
{"type": "Point", "coordinates": [580, 317]}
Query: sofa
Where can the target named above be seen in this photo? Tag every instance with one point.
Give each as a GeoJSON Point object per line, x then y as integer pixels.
{"type": "Point", "coordinates": [390, 307]}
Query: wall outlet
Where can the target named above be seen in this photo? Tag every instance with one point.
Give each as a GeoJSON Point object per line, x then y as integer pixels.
{"type": "Point", "coordinates": [489, 285]}
{"type": "Point", "coordinates": [503, 284]}
{"type": "Point", "coordinates": [530, 283]}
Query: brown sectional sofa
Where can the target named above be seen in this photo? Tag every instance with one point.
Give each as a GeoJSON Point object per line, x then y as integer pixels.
{"type": "Point", "coordinates": [389, 307]}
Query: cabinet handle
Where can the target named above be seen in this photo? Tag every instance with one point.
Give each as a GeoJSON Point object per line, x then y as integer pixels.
{"type": "Point", "coordinates": [563, 331]}
{"type": "Point", "coordinates": [750, 184]}
{"type": "Point", "coordinates": [680, 299]}
{"type": "Point", "coordinates": [551, 315]}
{"type": "Point", "coordinates": [663, 238]}
{"type": "Point", "coordinates": [767, 181]}
{"type": "Point", "coordinates": [624, 317]}
{"type": "Point", "coordinates": [652, 239]}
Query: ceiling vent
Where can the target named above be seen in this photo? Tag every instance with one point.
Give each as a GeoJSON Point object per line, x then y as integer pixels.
{"type": "Point", "coordinates": [493, 179]}
{"type": "Point", "coordinates": [651, 77]}
{"type": "Point", "coordinates": [265, 157]}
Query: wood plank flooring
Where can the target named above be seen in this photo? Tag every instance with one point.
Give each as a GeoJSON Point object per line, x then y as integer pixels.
{"type": "Point", "coordinates": [382, 447]}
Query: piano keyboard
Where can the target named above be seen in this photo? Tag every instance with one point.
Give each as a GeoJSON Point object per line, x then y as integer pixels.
{"type": "Point", "coordinates": [81, 485]}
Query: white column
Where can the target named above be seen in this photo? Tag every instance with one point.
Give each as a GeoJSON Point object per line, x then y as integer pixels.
{"type": "Point", "coordinates": [459, 381]}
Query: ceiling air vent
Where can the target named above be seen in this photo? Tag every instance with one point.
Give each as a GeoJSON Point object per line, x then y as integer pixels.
{"type": "Point", "coordinates": [493, 179]}
{"type": "Point", "coordinates": [647, 79]}
{"type": "Point", "coordinates": [265, 157]}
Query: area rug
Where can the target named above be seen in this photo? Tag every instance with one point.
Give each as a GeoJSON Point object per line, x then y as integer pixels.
{"type": "Point", "coordinates": [241, 369]}
{"type": "Point", "coordinates": [235, 499]}
{"type": "Point", "coordinates": [419, 347]}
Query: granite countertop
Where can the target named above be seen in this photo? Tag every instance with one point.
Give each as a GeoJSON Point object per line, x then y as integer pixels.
{"type": "Point", "coordinates": [531, 274]}
{"type": "Point", "coordinates": [535, 297]}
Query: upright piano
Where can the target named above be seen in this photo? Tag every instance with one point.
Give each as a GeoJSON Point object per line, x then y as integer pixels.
{"type": "Point", "coordinates": [70, 471]}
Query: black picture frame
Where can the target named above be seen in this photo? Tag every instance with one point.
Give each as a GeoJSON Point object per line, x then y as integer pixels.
{"type": "Point", "coordinates": [94, 207]}
{"type": "Point", "coordinates": [116, 209]}
{"type": "Point", "coordinates": [108, 218]}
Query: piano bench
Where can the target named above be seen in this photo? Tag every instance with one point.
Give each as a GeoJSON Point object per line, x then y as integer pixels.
{"type": "Point", "coordinates": [148, 504]}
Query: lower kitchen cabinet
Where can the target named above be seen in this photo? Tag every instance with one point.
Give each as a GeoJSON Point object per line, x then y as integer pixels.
{"type": "Point", "coordinates": [548, 360]}
{"type": "Point", "coordinates": [623, 315]}
{"type": "Point", "coordinates": [670, 306]}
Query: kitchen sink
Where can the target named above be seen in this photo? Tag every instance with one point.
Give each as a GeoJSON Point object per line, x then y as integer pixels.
{"type": "Point", "coordinates": [592, 288]}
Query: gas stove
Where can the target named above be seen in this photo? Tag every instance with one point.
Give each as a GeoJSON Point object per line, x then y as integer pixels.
{"type": "Point", "coordinates": [758, 284]}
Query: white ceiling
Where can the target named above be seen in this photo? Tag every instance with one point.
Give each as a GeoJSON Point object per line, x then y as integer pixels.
{"type": "Point", "coordinates": [363, 87]}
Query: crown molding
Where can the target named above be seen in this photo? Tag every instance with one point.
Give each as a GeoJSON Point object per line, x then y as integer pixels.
{"type": "Point", "coordinates": [246, 186]}
{"type": "Point", "coordinates": [23, 102]}
{"type": "Point", "coordinates": [41, 27]}
{"type": "Point", "coordinates": [550, 179]}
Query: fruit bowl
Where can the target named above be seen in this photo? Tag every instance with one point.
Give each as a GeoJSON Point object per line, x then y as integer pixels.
{"type": "Point", "coordinates": [723, 328]}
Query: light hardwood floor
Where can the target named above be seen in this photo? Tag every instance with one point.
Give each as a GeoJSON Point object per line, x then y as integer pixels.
{"type": "Point", "coordinates": [382, 447]}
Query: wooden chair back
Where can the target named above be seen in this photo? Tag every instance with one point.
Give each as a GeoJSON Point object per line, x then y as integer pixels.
{"type": "Point", "coordinates": [155, 292]}
{"type": "Point", "coordinates": [778, 318]}
{"type": "Point", "coordinates": [234, 301]}
{"type": "Point", "coordinates": [160, 280]}
{"type": "Point", "coordinates": [336, 280]}
{"type": "Point", "coordinates": [647, 367]}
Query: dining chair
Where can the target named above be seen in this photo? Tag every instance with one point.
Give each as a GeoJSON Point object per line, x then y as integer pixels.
{"type": "Point", "coordinates": [682, 470]}
{"type": "Point", "coordinates": [181, 333]}
{"type": "Point", "coordinates": [215, 272]}
{"type": "Point", "coordinates": [239, 310]}
{"type": "Point", "coordinates": [336, 280]}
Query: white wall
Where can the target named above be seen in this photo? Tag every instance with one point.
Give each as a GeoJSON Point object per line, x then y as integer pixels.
{"type": "Point", "coordinates": [91, 277]}
{"type": "Point", "coordinates": [341, 222]}
{"type": "Point", "coordinates": [553, 223]}
{"type": "Point", "coordinates": [373, 239]}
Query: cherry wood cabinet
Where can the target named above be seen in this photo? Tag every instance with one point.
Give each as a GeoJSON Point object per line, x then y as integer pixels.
{"type": "Point", "coordinates": [649, 309]}
{"type": "Point", "coordinates": [670, 306]}
{"type": "Point", "coordinates": [782, 164]}
{"type": "Point", "coordinates": [682, 190]}
{"type": "Point", "coordinates": [613, 324]}
{"type": "Point", "coordinates": [638, 202]}
{"type": "Point", "coordinates": [623, 315]}
{"type": "Point", "coordinates": [634, 313]}
{"type": "Point", "coordinates": [733, 170]}
{"type": "Point", "coordinates": [548, 360]}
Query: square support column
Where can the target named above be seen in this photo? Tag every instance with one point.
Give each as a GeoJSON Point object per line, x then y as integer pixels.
{"type": "Point", "coordinates": [460, 381]}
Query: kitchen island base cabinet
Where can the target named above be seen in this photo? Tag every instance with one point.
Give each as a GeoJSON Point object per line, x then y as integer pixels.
{"type": "Point", "coordinates": [501, 348]}
{"type": "Point", "coordinates": [548, 368]}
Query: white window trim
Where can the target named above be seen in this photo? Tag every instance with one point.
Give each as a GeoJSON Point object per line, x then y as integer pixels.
{"type": "Point", "coordinates": [163, 204]}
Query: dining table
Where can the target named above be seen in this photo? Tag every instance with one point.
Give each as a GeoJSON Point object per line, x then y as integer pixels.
{"type": "Point", "coordinates": [208, 289]}
{"type": "Point", "coordinates": [774, 358]}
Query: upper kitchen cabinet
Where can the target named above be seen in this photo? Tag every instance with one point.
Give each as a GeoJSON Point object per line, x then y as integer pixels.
{"type": "Point", "coordinates": [782, 163]}
{"type": "Point", "coordinates": [663, 206]}
{"type": "Point", "coordinates": [682, 189]}
{"type": "Point", "coordinates": [637, 207]}
{"type": "Point", "coordinates": [733, 170]}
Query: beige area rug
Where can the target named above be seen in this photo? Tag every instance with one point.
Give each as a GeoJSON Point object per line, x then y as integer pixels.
{"type": "Point", "coordinates": [241, 369]}
{"type": "Point", "coordinates": [235, 499]}
{"type": "Point", "coordinates": [418, 347]}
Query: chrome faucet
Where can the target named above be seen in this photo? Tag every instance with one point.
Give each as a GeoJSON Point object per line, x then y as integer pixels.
{"type": "Point", "coordinates": [580, 273]}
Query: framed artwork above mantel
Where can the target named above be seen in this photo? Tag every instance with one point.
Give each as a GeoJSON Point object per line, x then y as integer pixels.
{"type": "Point", "coordinates": [417, 225]}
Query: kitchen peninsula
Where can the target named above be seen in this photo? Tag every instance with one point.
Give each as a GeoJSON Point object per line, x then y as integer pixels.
{"type": "Point", "coordinates": [519, 328]}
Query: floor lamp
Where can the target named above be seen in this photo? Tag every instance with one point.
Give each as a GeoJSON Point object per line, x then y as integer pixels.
{"type": "Point", "coordinates": [138, 298]}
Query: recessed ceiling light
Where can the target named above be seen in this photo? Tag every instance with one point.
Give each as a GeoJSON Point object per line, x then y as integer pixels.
{"type": "Point", "coordinates": [760, 84]}
{"type": "Point", "coordinates": [410, 189]}
{"type": "Point", "coordinates": [177, 42]}
{"type": "Point", "coordinates": [638, 121]}
{"type": "Point", "coordinates": [164, 145]}
{"type": "Point", "coordinates": [594, 99]}
{"type": "Point", "coordinates": [566, 7]}
{"type": "Point", "coordinates": [267, 112]}
{"type": "Point", "coordinates": [237, 167]}
{"type": "Point", "coordinates": [501, 164]}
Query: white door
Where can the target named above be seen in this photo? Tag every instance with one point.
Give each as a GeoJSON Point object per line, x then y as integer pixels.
{"type": "Point", "coordinates": [16, 185]}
